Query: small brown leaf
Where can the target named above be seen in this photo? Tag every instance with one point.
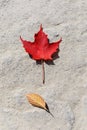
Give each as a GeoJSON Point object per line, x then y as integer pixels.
{"type": "Point", "coordinates": [37, 101]}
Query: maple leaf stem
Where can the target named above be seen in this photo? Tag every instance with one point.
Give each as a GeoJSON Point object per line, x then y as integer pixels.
{"type": "Point", "coordinates": [43, 71]}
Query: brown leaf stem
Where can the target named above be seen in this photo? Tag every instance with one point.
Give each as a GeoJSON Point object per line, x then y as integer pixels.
{"type": "Point", "coordinates": [43, 71]}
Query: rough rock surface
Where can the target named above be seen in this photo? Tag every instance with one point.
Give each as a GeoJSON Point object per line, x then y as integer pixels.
{"type": "Point", "coordinates": [65, 89]}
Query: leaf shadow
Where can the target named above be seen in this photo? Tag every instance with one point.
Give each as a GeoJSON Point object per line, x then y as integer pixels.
{"type": "Point", "coordinates": [47, 109]}
{"type": "Point", "coordinates": [50, 62]}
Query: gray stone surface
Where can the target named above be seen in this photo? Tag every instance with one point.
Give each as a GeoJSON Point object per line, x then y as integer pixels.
{"type": "Point", "coordinates": [65, 89]}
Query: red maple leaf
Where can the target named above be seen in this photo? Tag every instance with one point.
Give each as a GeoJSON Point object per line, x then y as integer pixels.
{"type": "Point", "coordinates": [41, 49]}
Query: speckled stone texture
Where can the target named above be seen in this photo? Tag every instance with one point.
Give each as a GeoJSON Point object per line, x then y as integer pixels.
{"type": "Point", "coordinates": [65, 90]}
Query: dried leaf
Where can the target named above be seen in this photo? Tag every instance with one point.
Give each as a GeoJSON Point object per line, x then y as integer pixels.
{"type": "Point", "coordinates": [37, 101]}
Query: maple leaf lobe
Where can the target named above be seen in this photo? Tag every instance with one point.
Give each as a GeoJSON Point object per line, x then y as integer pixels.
{"type": "Point", "coordinates": [41, 49]}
